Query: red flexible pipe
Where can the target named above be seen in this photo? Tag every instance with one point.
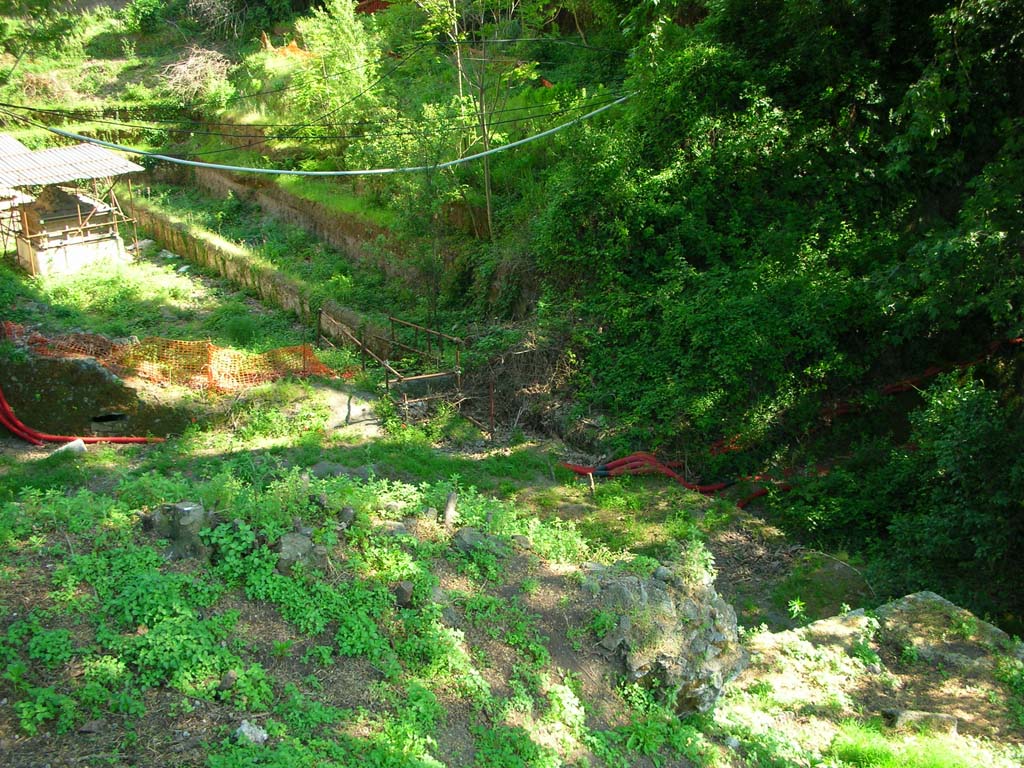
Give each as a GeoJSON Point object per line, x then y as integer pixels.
{"type": "Point", "coordinates": [641, 463]}
{"type": "Point", "coordinates": [11, 422]}
{"type": "Point", "coordinates": [5, 421]}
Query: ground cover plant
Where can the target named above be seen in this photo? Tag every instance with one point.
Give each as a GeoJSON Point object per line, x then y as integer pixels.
{"type": "Point", "coordinates": [796, 207]}
{"type": "Point", "coordinates": [111, 653]}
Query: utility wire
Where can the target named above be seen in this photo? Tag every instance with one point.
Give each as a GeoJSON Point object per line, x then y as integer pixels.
{"type": "Point", "coordinates": [256, 142]}
{"type": "Point", "coordinates": [142, 124]}
{"type": "Point", "coordinates": [289, 172]}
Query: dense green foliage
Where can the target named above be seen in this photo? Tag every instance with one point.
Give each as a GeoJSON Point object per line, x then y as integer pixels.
{"type": "Point", "coordinates": [798, 204]}
{"type": "Point", "coordinates": [802, 203]}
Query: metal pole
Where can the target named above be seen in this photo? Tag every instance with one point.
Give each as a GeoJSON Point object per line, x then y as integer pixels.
{"type": "Point", "coordinates": [135, 223]}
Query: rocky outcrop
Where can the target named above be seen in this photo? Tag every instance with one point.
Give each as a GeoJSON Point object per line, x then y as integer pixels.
{"type": "Point", "coordinates": [931, 628]}
{"type": "Point", "coordinates": [180, 524]}
{"type": "Point", "coordinates": [673, 629]}
{"type": "Point", "coordinates": [299, 548]}
{"type": "Point", "coordinates": [468, 540]}
{"type": "Point", "coordinates": [81, 397]}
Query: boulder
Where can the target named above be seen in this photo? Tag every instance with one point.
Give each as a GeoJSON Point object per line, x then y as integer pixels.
{"type": "Point", "coordinates": [390, 528]}
{"type": "Point", "coordinates": [295, 548]}
{"type": "Point", "coordinates": [74, 446]}
{"type": "Point", "coordinates": [403, 594]}
{"type": "Point", "coordinates": [346, 516]}
{"type": "Point", "coordinates": [253, 734]}
{"type": "Point", "coordinates": [674, 630]}
{"type": "Point", "coordinates": [941, 632]}
{"type": "Point", "coordinates": [181, 524]}
{"type": "Point", "coordinates": [466, 540]}
{"type": "Point", "coordinates": [914, 720]}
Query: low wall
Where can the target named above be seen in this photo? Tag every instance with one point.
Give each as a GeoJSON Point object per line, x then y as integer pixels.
{"type": "Point", "coordinates": [237, 264]}
{"type": "Point", "coordinates": [348, 234]}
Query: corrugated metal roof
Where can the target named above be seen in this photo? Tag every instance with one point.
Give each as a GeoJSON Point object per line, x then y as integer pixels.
{"type": "Point", "coordinates": [62, 164]}
{"type": "Point", "coordinates": [11, 146]}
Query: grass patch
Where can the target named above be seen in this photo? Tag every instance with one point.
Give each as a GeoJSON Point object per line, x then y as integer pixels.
{"type": "Point", "coordinates": [865, 745]}
{"type": "Point", "coordinates": [335, 197]}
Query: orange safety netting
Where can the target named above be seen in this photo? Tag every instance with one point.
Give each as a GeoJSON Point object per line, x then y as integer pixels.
{"type": "Point", "coordinates": [195, 364]}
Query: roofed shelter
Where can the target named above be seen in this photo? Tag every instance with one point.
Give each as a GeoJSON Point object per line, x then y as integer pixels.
{"type": "Point", "coordinates": [62, 229]}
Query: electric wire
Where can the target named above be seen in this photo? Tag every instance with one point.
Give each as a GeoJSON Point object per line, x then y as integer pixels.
{"type": "Point", "coordinates": [141, 124]}
{"type": "Point", "coordinates": [291, 172]}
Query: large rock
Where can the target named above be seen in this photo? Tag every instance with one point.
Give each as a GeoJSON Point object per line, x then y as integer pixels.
{"type": "Point", "coordinates": [673, 629]}
{"type": "Point", "coordinates": [468, 539]}
{"type": "Point", "coordinates": [180, 524]}
{"type": "Point", "coordinates": [941, 632]}
{"type": "Point", "coordinates": [298, 547]}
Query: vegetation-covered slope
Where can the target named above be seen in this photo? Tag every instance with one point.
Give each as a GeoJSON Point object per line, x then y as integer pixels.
{"type": "Point", "coordinates": [798, 205]}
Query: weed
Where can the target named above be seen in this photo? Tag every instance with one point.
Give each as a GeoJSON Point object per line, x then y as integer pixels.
{"type": "Point", "coordinates": [565, 707]}
{"type": "Point", "coordinates": [602, 622]}
{"type": "Point", "coordinates": [909, 654]}
{"type": "Point", "coordinates": [964, 627]}
{"type": "Point", "coordinates": [319, 654]}
{"type": "Point", "coordinates": [865, 745]}
{"type": "Point", "coordinates": [506, 746]}
{"type": "Point", "coordinates": [44, 705]}
{"type": "Point", "coordinates": [575, 636]}
{"type": "Point", "coordinates": [1010, 671]}
{"type": "Point", "coordinates": [51, 647]}
{"type": "Point", "coordinates": [282, 649]}
{"type": "Point", "coordinates": [862, 650]}
{"type": "Point", "coordinates": [529, 586]}
{"type": "Point", "coordinates": [797, 611]}
{"type": "Point", "coordinates": [640, 565]}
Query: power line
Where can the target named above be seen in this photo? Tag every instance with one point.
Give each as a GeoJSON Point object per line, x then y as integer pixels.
{"type": "Point", "coordinates": [141, 124]}
{"type": "Point", "coordinates": [366, 172]}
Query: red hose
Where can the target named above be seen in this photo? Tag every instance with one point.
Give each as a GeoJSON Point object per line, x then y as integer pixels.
{"type": "Point", "coordinates": [10, 423]}
{"type": "Point", "coordinates": [18, 429]}
{"type": "Point", "coordinates": [641, 463]}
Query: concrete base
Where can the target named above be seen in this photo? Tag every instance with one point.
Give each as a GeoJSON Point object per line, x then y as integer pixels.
{"type": "Point", "coordinates": [69, 257]}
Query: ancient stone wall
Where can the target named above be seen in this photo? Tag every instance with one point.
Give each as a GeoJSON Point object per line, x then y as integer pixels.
{"type": "Point", "coordinates": [240, 266]}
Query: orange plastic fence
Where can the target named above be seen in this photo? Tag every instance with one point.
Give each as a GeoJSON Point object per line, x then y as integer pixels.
{"type": "Point", "coordinates": [195, 364]}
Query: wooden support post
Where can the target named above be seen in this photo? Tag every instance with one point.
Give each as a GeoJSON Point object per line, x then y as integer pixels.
{"type": "Point", "coordinates": [209, 365]}
{"type": "Point", "coordinates": [135, 223]}
{"type": "Point", "coordinates": [490, 388]}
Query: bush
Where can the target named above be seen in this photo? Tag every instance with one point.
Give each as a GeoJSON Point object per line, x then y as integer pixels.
{"type": "Point", "coordinates": [201, 75]}
{"type": "Point", "coordinates": [147, 16]}
{"type": "Point", "coordinates": [956, 496]}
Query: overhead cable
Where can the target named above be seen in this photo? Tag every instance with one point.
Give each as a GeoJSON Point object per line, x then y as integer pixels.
{"type": "Point", "coordinates": [365, 172]}
{"type": "Point", "coordinates": [141, 124]}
